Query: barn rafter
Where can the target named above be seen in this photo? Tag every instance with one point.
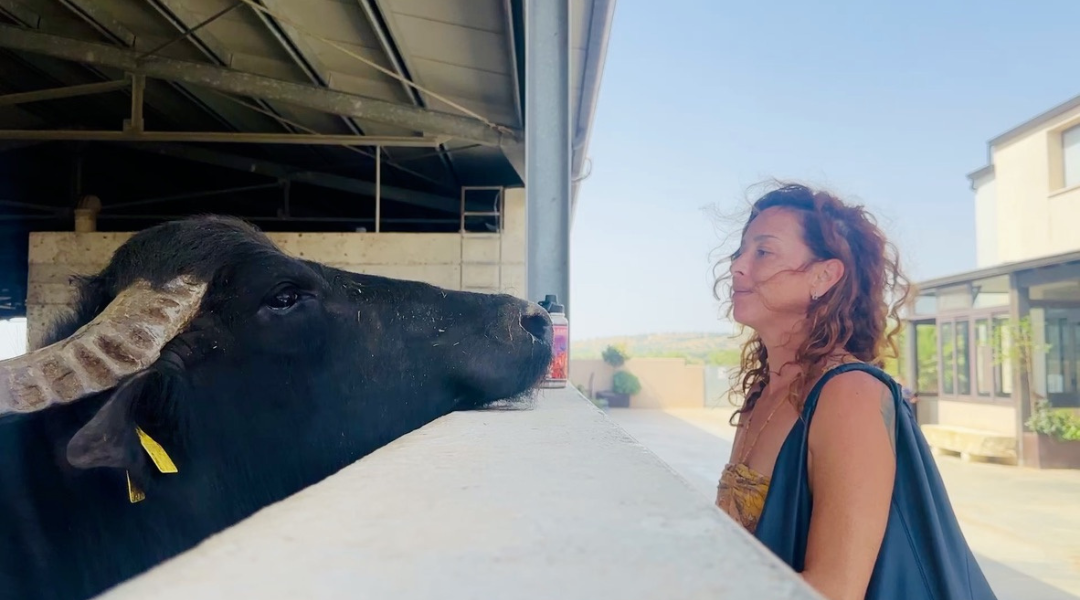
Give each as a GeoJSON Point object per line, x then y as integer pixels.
{"type": "Point", "coordinates": [310, 116]}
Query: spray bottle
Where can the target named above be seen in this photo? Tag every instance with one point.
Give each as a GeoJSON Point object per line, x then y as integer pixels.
{"type": "Point", "coordinates": [558, 372]}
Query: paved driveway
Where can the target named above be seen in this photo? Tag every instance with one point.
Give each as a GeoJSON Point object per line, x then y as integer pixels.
{"type": "Point", "coordinates": [1023, 524]}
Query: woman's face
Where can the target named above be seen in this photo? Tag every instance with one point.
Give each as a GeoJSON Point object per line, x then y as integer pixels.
{"type": "Point", "coordinates": [769, 287]}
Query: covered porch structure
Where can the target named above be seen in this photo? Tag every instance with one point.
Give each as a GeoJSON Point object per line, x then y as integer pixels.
{"type": "Point", "coordinates": [968, 339]}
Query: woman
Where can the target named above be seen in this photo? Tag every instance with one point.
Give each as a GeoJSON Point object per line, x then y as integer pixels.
{"type": "Point", "coordinates": [828, 468]}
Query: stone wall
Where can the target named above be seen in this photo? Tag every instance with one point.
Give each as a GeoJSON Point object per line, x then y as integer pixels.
{"type": "Point", "coordinates": [665, 382]}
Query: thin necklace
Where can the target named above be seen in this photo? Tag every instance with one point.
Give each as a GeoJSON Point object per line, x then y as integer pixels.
{"type": "Point", "coordinates": [746, 452]}
{"type": "Point", "coordinates": [830, 363]}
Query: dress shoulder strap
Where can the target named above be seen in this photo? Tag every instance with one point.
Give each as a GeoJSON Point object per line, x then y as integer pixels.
{"type": "Point", "coordinates": [815, 393]}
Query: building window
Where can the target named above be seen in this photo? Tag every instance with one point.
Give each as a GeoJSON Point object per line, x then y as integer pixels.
{"type": "Point", "coordinates": [1070, 155]}
{"type": "Point", "coordinates": [984, 358]}
{"type": "Point", "coordinates": [963, 359]}
{"type": "Point", "coordinates": [948, 359]}
{"type": "Point", "coordinates": [926, 358]}
{"type": "Point", "coordinates": [1002, 351]}
{"type": "Point", "coordinates": [1055, 356]}
{"type": "Point", "coordinates": [1075, 347]}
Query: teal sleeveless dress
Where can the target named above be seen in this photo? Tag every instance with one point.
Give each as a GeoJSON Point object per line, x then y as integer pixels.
{"type": "Point", "coordinates": [923, 556]}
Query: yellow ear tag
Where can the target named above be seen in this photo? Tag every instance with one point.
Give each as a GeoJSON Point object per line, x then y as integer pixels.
{"type": "Point", "coordinates": [157, 455]}
{"type": "Point", "coordinates": [134, 493]}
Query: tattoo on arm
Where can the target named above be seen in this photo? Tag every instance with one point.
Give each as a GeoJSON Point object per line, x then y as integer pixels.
{"type": "Point", "coordinates": [888, 413]}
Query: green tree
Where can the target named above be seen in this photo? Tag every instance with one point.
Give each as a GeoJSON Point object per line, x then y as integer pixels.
{"type": "Point", "coordinates": [1016, 343]}
{"type": "Point", "coordinates": [615, 355]}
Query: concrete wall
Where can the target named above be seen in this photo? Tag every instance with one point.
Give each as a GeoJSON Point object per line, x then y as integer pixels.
{"type": "Point", "coordinates": [485, 262]}
{"type": "Point", "coordinates": [665, 382]}
{"type": "Point", "coordinates": [999, 418]}
{"type": "Point", "coordinates": [986, 221]}
{"type": "Point", "coordinates": [552, 502]}
{"type": "Point", "coordinates": [1033, 213]}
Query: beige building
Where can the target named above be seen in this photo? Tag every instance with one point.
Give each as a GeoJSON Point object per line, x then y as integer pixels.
{"type": "Point", "coordinates": [1027, 200]}
{"type": "Point", "coordinates": [973, 399]}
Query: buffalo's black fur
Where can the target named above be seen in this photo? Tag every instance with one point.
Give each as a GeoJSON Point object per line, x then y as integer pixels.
{"type": "Point", "coordinates": [291, 371]}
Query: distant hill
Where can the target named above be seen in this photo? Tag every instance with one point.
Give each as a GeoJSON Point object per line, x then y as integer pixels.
{"type": "Point", "coordinates": [707, 348]}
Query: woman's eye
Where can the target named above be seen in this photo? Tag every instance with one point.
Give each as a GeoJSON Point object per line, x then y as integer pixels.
{"type": "Point", "coordinates": [283, 300]}
{"type": "Point", "coordinates": [761, 252]}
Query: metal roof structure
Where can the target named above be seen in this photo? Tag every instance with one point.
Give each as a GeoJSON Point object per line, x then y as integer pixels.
{"type": "Point", "coordinates": [1064, 259]}
{"type": "Point", "coordinates": [438, 85]}
{"type": "Point", "coordinates": [293, 113]}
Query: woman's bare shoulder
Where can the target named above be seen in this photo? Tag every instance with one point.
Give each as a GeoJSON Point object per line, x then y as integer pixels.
{"type": "Point", "coordinates": [855, 403]}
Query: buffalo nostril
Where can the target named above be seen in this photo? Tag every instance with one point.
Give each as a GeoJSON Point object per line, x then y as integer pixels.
{"type": "Point", "coordinates": [537, 324]}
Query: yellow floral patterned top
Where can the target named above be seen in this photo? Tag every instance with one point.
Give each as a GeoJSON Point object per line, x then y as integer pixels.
{"type": "Point", "coordinates": [741, 494]}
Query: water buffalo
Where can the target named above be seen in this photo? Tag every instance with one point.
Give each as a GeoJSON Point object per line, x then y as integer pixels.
{"type": "Point", "coordinates": [254, 373]}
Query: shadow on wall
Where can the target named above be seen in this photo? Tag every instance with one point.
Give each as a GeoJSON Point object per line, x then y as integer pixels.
{"type": "Point", "coordinates": [12, 337]}
{"type": "Point", "coordinates": [665, 382]}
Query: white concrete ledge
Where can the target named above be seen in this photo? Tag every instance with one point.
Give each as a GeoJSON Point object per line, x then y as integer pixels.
{"type": "Point", "coordinates": [551, 502]}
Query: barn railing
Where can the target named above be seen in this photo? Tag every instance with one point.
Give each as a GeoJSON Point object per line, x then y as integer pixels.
{"type": "Point", "coordinates": [555, 501]}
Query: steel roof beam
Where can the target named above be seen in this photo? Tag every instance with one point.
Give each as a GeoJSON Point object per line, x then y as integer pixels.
{"type": "Point", "coordinates": [163, 104]}
{"type": "Point", "coordinates": [190, 27]}
{"type": "Point", "coordinates": [373, 11]}
{"type": "Point", "coordinates": [110, 27]}
{"type": "Point", "coordinates": [185, 22]}
{"type": "Point", "coordinates": [302, 55]}
{"type": "Point", "coordinates": [291, 173]}
{"type": "Point", "coordinates": [70, 91]}
{"type": "Point", "coordinates": [100, 19]}
{"type": "Point", "coordinates": [513, 43]}
{"type": "Point", "coordinates": [307, 60]}
{"type": "Point", "coordinates": [317, 139]}
{"type": "Point", "coordinates": [247, 84]}
{"type": "Point", "coordinates": [20, 14]}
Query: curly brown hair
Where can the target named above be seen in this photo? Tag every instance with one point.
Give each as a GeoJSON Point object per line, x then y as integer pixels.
{"type": "Point", "coordinates": [859, 315]}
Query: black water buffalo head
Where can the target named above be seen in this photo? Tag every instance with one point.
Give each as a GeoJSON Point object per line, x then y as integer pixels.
{"type": "Point", "coordinates": [256, 372]}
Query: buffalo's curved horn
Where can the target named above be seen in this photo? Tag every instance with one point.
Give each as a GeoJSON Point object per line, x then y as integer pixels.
{"type": "Point", "coordinates": [125, 338]}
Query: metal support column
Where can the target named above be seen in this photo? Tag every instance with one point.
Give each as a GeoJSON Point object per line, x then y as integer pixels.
{"type": "Point", "coordinates": [909, 362]}
{"type": "Point", "coordinates": [1024, 387]}
{"type": "Point", "coordinates": [378, 189]}
{"type": "Point", "coordinates": [138, 87]}
{"type": "Point", "coordinates": [909, 355]}
{"type": "Point", "coordinates": [547, 148]}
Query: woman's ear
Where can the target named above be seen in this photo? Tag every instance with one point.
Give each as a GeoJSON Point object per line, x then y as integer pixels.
{"type": "Point", "coordinates": [827, 274]}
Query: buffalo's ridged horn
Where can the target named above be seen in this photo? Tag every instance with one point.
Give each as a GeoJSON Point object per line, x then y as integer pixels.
{"type": "Point", "coordinates": [126, 337]}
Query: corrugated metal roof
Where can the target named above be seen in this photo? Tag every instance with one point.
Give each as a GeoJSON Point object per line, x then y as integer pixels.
{"type": "Point", "coordinates": [432, 59]}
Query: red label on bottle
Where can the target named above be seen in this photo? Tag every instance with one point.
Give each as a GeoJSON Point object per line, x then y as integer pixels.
{"type": "Point", "coordinates": [559, 346]}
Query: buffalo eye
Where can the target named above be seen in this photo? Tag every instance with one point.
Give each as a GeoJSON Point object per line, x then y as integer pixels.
{"type": "Point", "coordinates": [283, 300]}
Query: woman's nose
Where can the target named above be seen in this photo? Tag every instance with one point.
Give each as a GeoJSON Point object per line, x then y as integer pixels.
{"type": "Point", "coordinates": [737, 266]}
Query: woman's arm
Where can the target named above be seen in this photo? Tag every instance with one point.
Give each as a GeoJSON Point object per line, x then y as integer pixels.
{"type": "Point", "coordinates": [852, 463]}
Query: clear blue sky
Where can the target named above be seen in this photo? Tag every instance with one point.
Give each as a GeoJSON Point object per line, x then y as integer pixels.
{"type": "Point", "coordinates": [891, 103]}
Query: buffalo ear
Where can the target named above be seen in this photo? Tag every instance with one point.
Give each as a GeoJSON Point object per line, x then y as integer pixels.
{"type": "Point", "coordinates": [109, 439]}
